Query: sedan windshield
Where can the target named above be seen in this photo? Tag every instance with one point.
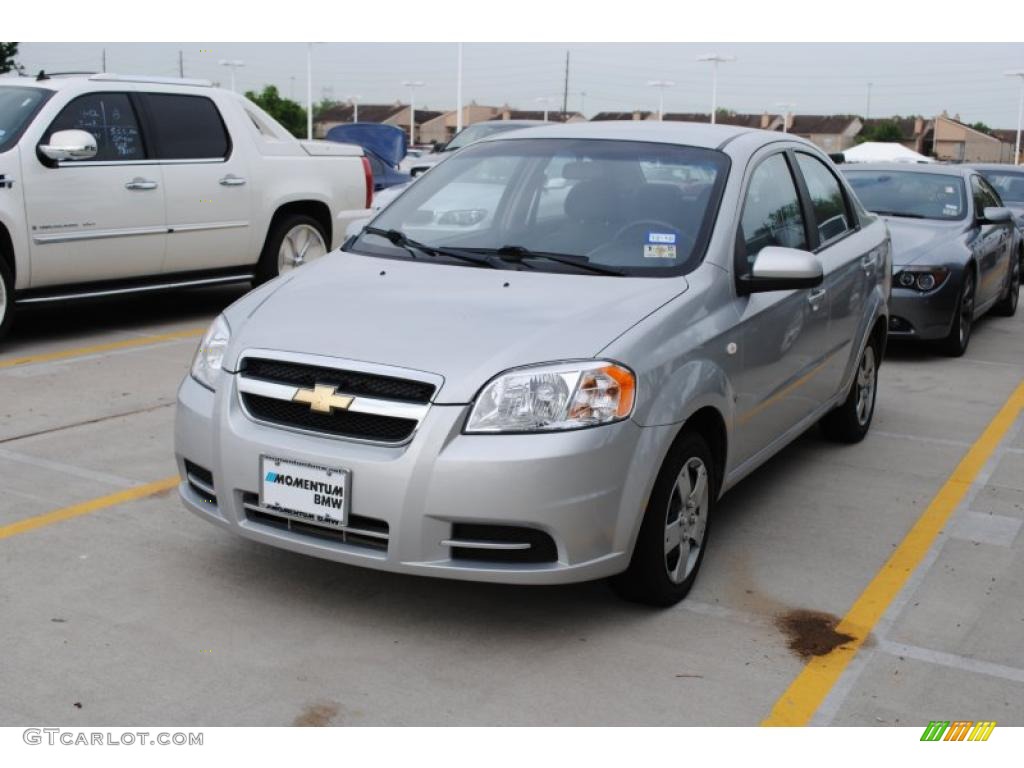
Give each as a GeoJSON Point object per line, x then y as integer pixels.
{"type": "Point", "coordinates": [560, 205]}
{"type": "Point", "coordinates": [479, 131]}
{"type": "Point", "coordinates": [910, 194]}
{"type": "Point", "coordinates": [17, 106]}
{"type": "Point", "coordinates": [1009, 184]}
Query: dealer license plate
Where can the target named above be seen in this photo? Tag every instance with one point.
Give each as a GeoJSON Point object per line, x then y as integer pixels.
{"type": "Point", "coordinates": [305, 492]}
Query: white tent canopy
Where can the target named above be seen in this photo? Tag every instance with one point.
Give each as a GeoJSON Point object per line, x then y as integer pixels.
{"type": "Point", "coordinates": [883, 152]}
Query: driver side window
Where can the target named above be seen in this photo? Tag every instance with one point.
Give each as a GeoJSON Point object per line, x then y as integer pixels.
{"type": "Point", "coordinates": [771, 210]}
{"type": "Point", "coordinates": [110, 118]}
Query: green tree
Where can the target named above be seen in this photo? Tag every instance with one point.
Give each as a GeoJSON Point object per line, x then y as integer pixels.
{"type": "Point", "coordinates": [8, 52]}
{"type": "Point", "coordinates": [323, 105]}
{"type": "Point", "coordinates": [883, 130]}
{"type": "Point", "coordinates": [287, 112]}
{"type": "Point", "coordinates": [980, 126]}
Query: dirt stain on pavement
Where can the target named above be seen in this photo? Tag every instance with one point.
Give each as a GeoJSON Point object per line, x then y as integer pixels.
{"type": "Point", "coordinates": [811, 633]}
{"type": "Point", "coordinates": [317, 715]}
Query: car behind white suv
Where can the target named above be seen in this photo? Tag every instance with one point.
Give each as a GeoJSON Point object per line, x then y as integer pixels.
{"type": "Point", "coordinates": [111, 184]}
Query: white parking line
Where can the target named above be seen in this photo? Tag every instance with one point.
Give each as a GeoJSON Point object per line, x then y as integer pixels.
{"type": "Point", "coordinates": [67, 469]}
{"type": "Point", "coordinates": [921, 438]}
{"type": "Point", "coordinates": [953, 660]}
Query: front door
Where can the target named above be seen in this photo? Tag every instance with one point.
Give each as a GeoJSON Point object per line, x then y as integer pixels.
{"type": "Point", "coordinates": [783, 333]}
{"type": "Point", "coordinates": [101, 218]}
{"type": "Point", "coordinates": [993, 245]}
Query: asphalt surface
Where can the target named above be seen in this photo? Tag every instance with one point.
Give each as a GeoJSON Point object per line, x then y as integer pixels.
{"type": "Point", "coordinates": [139, 613]}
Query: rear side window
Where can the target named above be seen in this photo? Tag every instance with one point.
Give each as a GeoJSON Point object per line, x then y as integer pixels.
{"type": "Point", "coordinates": [109, 117]}
{"type": "Point", "coordinates": [830, 214]}
{"type": "Point", "coordinates": [186, 127]}
{"type": "Point", "coordinates": [771, 210]}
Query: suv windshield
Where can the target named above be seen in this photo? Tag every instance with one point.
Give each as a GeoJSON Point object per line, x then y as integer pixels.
{"type": "Point", "coordinates": [17, 106]}
{"type": "Point", "coordinates": [1009, 184]}
{"type": "Point", "coordinates": [911, 194]}
{"type": "Point", "coordinates": [628, 207]}
{"type": "Point", "coordinates": [479, 131]}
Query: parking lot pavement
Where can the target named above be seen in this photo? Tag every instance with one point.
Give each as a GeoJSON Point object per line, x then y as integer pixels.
{"type": "Point", "coordinates": [137, 612]}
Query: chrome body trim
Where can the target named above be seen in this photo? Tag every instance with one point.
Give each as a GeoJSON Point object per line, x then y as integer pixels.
{"type": "Point", "coordinates": [486, 544]}
{"type": "Point", "coordinates": [239, 278]}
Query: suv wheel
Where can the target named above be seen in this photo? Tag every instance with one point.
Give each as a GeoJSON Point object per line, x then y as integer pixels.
{"type": "Point", "coordinates": [850, 421]}
{"type": "Point", "coordinates": [1007, 306]}
{"type": "Point", "coordinates": [293, 241]}
{"type": "Point", "coordinates": [6, 297]}
{"type": "Point", "coordinates": [673, 535]}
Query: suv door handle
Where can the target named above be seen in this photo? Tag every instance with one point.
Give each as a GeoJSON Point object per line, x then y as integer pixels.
{"type": "Point", "coordinates": [140, 183]}
{"type": "Point", "coordinates": [868, 264]}
{"type": "Point", "coordinates": [232, 181]}
{"type": "Point", "coordinates": [814, 298]}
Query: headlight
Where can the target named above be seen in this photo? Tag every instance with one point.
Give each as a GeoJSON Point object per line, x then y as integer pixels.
{"type": "Point", "coordinates": [554, 397]}
{"type": "Point", "coordinates": [921, 279]}
{"type": "Point", "coordinates": [206, 366]}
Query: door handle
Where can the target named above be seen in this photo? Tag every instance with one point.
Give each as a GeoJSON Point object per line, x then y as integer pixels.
{"type": "Point", "coordinates": [140, 183]}
{"type": "Point", "coordinates": [868, 264]}
{"type": "Point", "coordinates": [232, 181]}
{"type": "Point", "coordinates": [814, 298]}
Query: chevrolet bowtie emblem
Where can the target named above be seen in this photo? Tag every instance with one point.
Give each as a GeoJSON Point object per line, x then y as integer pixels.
{"type": "Point", "coordinates": [323, 398]}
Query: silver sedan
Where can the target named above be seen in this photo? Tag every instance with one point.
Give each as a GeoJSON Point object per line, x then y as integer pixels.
{"type": "Point", "coordinates": [555, 378]}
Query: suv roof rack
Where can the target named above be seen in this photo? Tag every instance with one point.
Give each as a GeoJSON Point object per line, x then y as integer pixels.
{"type": "Point", "coordinates": [44, 75]}
{"type": "Point", "coordinates": [108, 77]}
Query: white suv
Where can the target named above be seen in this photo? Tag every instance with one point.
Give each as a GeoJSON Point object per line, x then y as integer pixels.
{"type": "Point", "coordinates": [112, 184]}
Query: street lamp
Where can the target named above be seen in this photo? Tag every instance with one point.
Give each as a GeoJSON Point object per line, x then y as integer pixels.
{"type": "Point", "coordinates": [232, 64]}
{"type": "Point", "coordinates": [458, 94]}
{"type": "Point", "coordinates": [789, 106]}
{"type": "Point", "coordinates": [1018, 73]}
{"type": "Point", "coordinates": [715, 60]}
{"type": "Point", "coordinates": [412, 85]}
{"type": "Point", "coordinates": [354, 101]}
{"type": "Point", "coordinates": [547, 101]}
{"type": "Point", "coordinates": [661, 85]}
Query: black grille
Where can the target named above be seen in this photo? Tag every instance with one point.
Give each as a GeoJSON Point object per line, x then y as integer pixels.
{"type": "Point", "coordinates": [542, 546]}
{"type": "Point", "coordinates": [363, 426]}
{"type": "Point", "coordinates": [348, 382]}
{"type": "Point", "coordinates": [204, 476]}
{"type": "Point", "coordinates": [349, 535]}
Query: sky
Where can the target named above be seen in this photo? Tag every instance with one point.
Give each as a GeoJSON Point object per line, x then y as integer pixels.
{"type": "Point", "coordinates": [818, 78]}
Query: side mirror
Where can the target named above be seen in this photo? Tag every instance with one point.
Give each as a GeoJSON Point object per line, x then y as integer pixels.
{"type": "Point", "coordinates": [70, 145]}
{"type": "Point", "coordinates": [782, 269]}
{"type": "Point", "coordinates": [995, 215]}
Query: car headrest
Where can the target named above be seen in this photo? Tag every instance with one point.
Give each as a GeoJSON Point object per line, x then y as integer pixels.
{"type": "Point", "coordinates": [591, 201]}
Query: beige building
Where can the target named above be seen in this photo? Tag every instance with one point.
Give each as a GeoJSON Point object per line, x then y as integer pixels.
{"type": "Point", "coordinates": [347, 113]}
{"type": "Point", "coordinates": [832, 133]}
{"type": "Point", "coordinates": [443, 126]}
{"type": "Point", "coordinates": [959, 143]}
{"type": "Point", "coordinates": [1008, 136]}
{"type": "Point", "coordinates": [764, 121]}
{"type": "Point", "coordinates": [916, 133]}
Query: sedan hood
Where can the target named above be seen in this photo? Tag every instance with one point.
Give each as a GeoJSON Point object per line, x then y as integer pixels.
{"type": "Point", "coordinates": [913, 239]}
{"type": "Point", "coordinates": [465, 324]}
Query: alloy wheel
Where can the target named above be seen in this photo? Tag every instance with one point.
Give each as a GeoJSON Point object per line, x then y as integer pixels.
{"type": "Point", "coordinates": [301, 243]}
{"type": "Point", "coordinates": [867, 377]}
{"type": "Point", "coordinates": [686, 520]}
{"type": "Point", "coordinates": [3, 299]}
{"type": "Point", "coordinates": [966, 309]}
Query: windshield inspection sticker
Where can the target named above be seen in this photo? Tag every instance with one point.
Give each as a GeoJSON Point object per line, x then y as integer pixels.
{"type": "Point", "coordinates": [658, 251]}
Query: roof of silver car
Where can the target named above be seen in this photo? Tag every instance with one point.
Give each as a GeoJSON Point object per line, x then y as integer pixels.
{"type": "Point", "coordinates": [691, 134]}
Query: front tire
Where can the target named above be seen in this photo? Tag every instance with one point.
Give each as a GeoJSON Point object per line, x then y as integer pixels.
{"type": "Point", "coordinates": [6, 297]}
{"type": "Point", "coordinates": [293, 240]}
{"type": "Point", "coordinates": [673, 536]}
{"type": "Point", "coordinates": [850, 421]}
{"type": "Point", "coordinates": [955, 344]}
{"type": "Point", "coordinates": [1007, 306]}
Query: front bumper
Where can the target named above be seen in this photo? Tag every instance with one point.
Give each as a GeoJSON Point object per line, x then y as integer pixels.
{"type": "Point", "coordinates": [586, 489]}
{"type": "Point", "coordinates": [925, 316]}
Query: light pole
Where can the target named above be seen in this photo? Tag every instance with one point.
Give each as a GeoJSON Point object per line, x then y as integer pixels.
{"type": "Point", "coordinates": [412, 85]}
{"type": "Point", "coordinates": [661, 85]}
{"type": "Point", "coordinates": [789, 106]}
{"type": "Point", "coordinates": [354, 101]}
{"type": "Point", "coordinates": [458, 94]}
{"type": "Point", "coordinates": [547, 101]}
{"type": "Point", "coordinates": [309, 91]}
{"type": "Point", "coordinates": [1019, 74]}
{"type": "Point", "coordinates": [715, 60]}
{"type": "Point", "coordinates": [232, 64]}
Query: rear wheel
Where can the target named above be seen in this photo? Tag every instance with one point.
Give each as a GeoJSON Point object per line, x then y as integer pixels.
{"type": "Point", "coordinates": [955, 344]}
{"type": "Point", "coordinates": [293, 241]}
{"type": "Point", "coordinates": [1007, 306]}
{"type": "Point", "coordinates": [6, 297]}
{"type": "Point", "coordinates": [670, 547]}
{"type": "Point", "coordinates": [850, 421]}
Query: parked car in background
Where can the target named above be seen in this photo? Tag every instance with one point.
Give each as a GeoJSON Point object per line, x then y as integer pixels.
{"type": "Point", "coordinates": [384, 145]}
{"type": "Point", "coordinates": [464, 138]}
{"type": "Point", "coordinates": [956, 251]}
{"type": "Point", "coordinates": [112, 184]}
{"type": "Point", "coordinates": [558, 384]}
{"type": "Point", "coordinates": [1008, 181]}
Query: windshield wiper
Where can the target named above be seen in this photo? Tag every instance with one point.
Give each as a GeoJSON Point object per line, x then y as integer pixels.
{"type": "Point", "coordinates": [516, 253]}
{"type": "Point", "coordinates": [398, 238]}
{"type": "Point", "coordinates": [900, 214]}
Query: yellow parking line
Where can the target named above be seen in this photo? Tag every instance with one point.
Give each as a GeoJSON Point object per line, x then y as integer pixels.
{"type": "Point", "coordinates": [96, 348]}
{"type": "Point", "coordinates": [77, 510]}
{"type": "Point", "coordinates": [805, 694]}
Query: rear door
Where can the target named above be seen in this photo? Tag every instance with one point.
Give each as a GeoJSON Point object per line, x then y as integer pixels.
{"type": "Point", "coordinates": [784, 333]}
{"type": "Point", "coordinates": [102, 218]}
{"type": "Point", "coordinates": [849, 270]}
{"type": "Point", "coordinates": [206, 179]}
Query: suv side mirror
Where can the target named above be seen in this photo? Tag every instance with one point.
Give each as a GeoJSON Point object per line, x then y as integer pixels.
{"type": "Point", "coordinates": [995, 215]}
{"type": "Point", "coordinates": [70, 145]}
{"type": "Point", "coordinates": [783, 269]}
